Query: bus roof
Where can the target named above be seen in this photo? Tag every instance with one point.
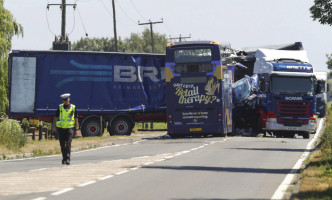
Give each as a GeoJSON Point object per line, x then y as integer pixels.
{"type": "Point", "coordinates": [194, 43]}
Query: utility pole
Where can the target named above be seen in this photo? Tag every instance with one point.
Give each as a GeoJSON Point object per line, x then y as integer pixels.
{"type": "Point", "coordinates": [151, 30]}
{"type": "Point", "coordinates": [114, 25]}
{"type": "Point", "coordinates": [63, 20]}
{"type": "Point", "coordinates": [180, 37]}
{"type": "Point", "coordinates": [63, 43]}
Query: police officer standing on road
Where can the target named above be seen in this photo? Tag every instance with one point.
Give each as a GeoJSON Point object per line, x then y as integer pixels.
{"type": "Point", "coordinates": [65, 120]}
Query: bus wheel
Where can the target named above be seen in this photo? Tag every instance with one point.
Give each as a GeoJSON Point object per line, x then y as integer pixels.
{"type": "Point", "coordinates": [219, 134]}
{"type": "Point", "coordinates": [91, 127]}
{"type": "Point", "coordinates": [121, 126]}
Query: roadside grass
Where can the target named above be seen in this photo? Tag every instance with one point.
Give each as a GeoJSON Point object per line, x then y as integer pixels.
{"type": "Point", "coordinates": [44, 147]}
{"type": "Point", "coordinates": [316, 178]}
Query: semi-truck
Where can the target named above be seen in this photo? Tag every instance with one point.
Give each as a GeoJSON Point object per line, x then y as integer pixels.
{"type": "Point", "coordinates": [110, 90]}
{"type": "Point", "coordinates": [285, 101]}
{"type": "Point", "coordinates": [322, 96]}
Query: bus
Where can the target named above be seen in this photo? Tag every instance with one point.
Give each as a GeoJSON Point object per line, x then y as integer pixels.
{"type": "Point", "coordinates": [198, 89]}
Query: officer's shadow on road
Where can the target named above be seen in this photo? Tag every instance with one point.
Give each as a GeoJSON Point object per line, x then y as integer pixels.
{"type": "Point", "coordinates": [224, 169]}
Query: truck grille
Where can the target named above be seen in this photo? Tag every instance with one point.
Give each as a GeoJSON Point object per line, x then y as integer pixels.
{"type": "Point", "coordinates": [288, 113]}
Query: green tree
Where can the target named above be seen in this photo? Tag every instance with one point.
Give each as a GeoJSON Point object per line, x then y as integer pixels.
{"type": "Point", "coordinates": [8, 28]}
{"type": "Point", "coordinates": [322, 11]}
{"type": "Point", "coordinates": [329, 61]}
{"type": "Point", "coordinates": [98, 44]}
{"type": "Point", "coordinates": [141, 43]}
{"type": "Point", "coordinates": [136, 43]}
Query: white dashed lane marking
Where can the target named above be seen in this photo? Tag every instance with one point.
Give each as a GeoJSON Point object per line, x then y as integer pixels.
{"type": "Point", "coordinates": [51, 179]}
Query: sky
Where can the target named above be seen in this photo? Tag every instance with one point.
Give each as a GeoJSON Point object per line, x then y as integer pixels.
{"type": "Point", "coordinates": [242, 23]}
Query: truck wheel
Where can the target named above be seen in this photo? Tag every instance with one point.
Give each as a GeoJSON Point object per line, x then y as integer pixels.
{"type": "Point", "coordinates": [91, 127]}
{"type": "Point", "coordinates": [306, 135]}
{"type": "Point", "coordinates": [121, 126]}
{"type": "Point", "coordinates": [277, 134]}
{"type": "Point", "coordinates": [259, 124]}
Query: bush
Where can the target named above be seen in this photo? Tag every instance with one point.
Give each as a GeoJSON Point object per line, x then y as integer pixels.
{"type": "Point", "coordinates": [12, 135]}
{"type": "Point", "coordinates": [326, 142]}
{"type": "Point", "coordinates": [26, 124]}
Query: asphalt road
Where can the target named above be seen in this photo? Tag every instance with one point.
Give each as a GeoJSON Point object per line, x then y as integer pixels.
{"type": "Point", "coordinates": [156, 168]}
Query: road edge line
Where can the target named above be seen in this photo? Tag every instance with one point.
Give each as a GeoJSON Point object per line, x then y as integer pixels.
{"type": "Point", "coordinates": [281, 190]}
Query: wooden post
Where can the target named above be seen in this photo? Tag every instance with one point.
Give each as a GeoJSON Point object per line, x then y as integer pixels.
{"type": "Point", "coordinates": [40, 128]}
{"type": "Point", "coordinates": [32, 130]}
{"type": "Point", "coordinates": [101, 125]}
{"type": "Point", "coordinates": [45, 129]}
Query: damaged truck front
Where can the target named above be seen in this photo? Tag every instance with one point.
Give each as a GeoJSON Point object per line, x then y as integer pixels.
{"type": "Point", "coordinates": [282, 100]}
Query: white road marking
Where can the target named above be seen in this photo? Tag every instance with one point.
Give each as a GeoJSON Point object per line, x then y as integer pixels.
{"type": "Point", "coordinates": [106, 177]}
{"type": "Point", "coordinates": [87, 183]}
{"type": "Point", "coordinates": [34, 170]}
{"type": "Point", "coordinates": [280, 192]}
{"type": "Point", "coordinates": [168, 157]}
{"type": "Point", "coordinates": [40, 198]}
{"type": "Point", "coordinates": [148, 163]}
{"type": "Point", "coordinates": [62, 191]}
{"type": "Point", "coordinates": [122, 172]}
{"type": "Point", "coordinates": [185, 151]}
{"type": "Point", "coordinates": [140, 157]}
{"type": "Point", "coordinates": [135, 168]}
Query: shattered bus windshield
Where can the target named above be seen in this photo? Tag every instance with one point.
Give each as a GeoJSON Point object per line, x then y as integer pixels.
{"type": "Point", "coordinates": [292, 85]}
{"type": "Point", "coordinates": [193, 60]}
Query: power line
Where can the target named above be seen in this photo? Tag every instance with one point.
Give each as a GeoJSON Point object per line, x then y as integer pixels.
{"type": "Point", "coordinates": [79, 14]}
{"type": "Point", "coordinates": [151, 30]}
{"type": "Point", "coordinates": [63, 6]}
{"type": "Point", "coordinates": [180, 37]}
{"type": "Point", "coordinates": [72, 30]}
{"type": "Point", "coordinates": [137, 10]}
{"type": "Point", "coordinates": [168, 28]}
{"type": "Point", "coordinates": [48, 24]}
{"type": "Point", "coordinates": [134, 21]}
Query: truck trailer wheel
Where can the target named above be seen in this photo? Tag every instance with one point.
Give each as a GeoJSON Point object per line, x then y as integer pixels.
{"type": "Point", "coordinates": [121, 126]}
{"type": "Point", "coordinates": [91, 127]}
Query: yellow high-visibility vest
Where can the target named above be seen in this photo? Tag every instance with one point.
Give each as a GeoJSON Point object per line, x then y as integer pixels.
{"type": "Point", "coordinates": [66, 118]}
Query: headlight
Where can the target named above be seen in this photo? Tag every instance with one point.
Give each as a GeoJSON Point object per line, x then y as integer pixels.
{"type": "Point", "coordinates": [271, 119]}
{"type": "Point", "coordinates": [312, 121]}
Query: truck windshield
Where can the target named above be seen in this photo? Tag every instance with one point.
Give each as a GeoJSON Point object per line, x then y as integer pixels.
{"type": "Point", "coordinates": [292, 85]}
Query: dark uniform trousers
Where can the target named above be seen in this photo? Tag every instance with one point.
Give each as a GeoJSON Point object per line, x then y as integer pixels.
{"type": "Point", "coordinates": [65, 138]}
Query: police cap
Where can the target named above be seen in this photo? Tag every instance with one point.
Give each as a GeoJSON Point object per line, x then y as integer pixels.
{"type": "Point", "coordinates": [65, 96]}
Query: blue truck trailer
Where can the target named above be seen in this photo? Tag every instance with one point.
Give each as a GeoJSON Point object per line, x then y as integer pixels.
{"type": "Point", "coordinates": [322, 96]}
{"type": "Point", "coordinates": [112, 90]}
